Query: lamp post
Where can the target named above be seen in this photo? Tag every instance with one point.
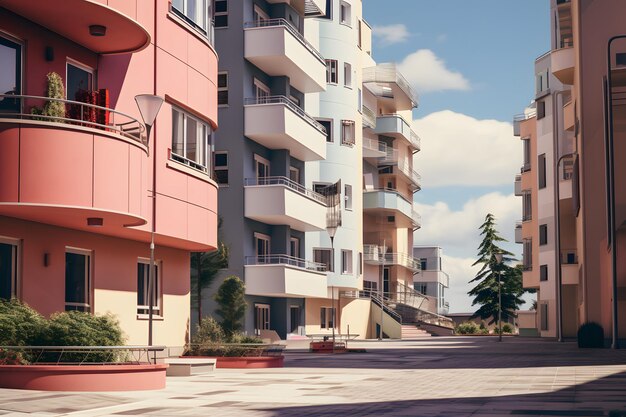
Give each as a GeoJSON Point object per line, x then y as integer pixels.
{"type": "Point", "coordinates": [149, 106]}
{"type": "Point", "coordinates": [499, 261]}
{"type": "Point", "coordinates": [382, 285]}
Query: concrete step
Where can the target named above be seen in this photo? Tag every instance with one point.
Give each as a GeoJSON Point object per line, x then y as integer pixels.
{"type": "Point", "coordinates": [410, 331]}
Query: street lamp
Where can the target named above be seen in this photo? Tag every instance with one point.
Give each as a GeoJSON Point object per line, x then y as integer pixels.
{"type": "Point", "coordinates": [149, 106]}
{"type": "Point", "coordinates": [499, 258]}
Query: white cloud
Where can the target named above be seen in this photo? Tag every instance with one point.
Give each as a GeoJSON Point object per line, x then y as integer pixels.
{"type": "Point", "coordinates": [391, 34]}
{"type": "Point", "coordinates": [461, 272]}
{"type": "Point", "coordinates": [427, 73]}
{"type": "Point", "coordinates": [460, 150]}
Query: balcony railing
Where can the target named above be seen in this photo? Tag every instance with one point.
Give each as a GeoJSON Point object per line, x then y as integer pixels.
{"type": "Point", "coordinates": [285, 260]}
{"type": "Point", "coordinates": [373, 253]}
{"type": "Point", "coordinates": [409, 172]}
{"type": "Point", "coordinates": [289, 27]}
{"type": "Point", "coordinates": [186, 161]}
{"type": "Point", "coordinates": [14, 106]}
{"type": "Point", "coordinates": [369, 118]}
{"type": "Point", "coordinates": [405, 129]}
{"type": "Point", "coordinates": [284, 181]}
{"type": "Point", "coordinates": [375, 145]}
{"type": "Point", "coordinates": [388, 73]}
{"type": "Point", "coordinates": [289, 104]}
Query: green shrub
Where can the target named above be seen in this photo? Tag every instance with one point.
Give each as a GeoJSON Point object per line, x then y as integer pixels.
{"type": "Point", "coordinates": [469, 327]}
{"type": "Point", "coordinates": [211, 340]}
{"type": "Point", "coordinates": [232, 304]}
{"type": "Point", "coordinates": [20, 325]}
{"type": "Point", "coordinates": [483, 331]}
{"type": "Point", "coordinates": [208, 331]}
{"type": "Point", "coordinates": [590, 335]}
{"type": "Point", "coordinates": [55, 90]}
{"type": "Point", "coordinates": [482, 326]}
{"type": "Point", "coordinates": [507, 328]}
{"type": "Point", "coordinates": [12, 357]}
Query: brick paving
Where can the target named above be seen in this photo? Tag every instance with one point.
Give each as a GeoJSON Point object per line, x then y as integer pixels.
{"type": "Point", "coordinates": [444, 376]}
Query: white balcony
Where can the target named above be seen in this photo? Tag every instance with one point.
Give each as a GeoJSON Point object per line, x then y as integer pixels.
{"type": "Point", "coordinates": [398, 127]}
{"type": "Point", "coordinates": [386, 82]}
{"type": "Point", "coordinates": [373, 148]}
{"type": "Point", "coordinates": [309, 8]}
{"type": "Point", "coordinates": [280, 201]}
{"type": "Point", "coordinates": [433, 276]}
{"type": "Point", "coordinates": [277, 123]}
{"type": "Point", "coordinates": [285, 276]}
{"type": "Point", "coordinates": [388, 203]}
{"type": "Point", "coordinates": [518, 185]}
{"type": "Point", "coordinates": [518, 233]}
{"type": "Point", "coordinates": [278, 49]}
{"type": "Point", "coordinates": [373, 255]}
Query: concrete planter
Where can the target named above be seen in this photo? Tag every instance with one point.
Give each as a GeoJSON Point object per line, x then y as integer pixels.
{"type": "Point", "coordinates": [245, 362]}
{"type": "Point", "coordinates": [83, 377]}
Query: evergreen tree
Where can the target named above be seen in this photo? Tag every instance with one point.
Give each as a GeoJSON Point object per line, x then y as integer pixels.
{"type": "Point", "coordinates": [232, 304]}
{"type": "Point", "coordinates": [485, 292]}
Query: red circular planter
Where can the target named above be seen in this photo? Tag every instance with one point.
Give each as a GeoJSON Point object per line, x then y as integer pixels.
{"type": "Point", "coordinates": [83, 378]}
{"type": "Point", "coordinates": [244, 362]}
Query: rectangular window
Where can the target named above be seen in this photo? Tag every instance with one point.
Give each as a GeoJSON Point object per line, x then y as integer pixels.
{"type": "Point", "coordinates": [328, 126]}
{"type": "Point", "coordinates": [191, 141]}
{"type": "Point", "coordinates": [261, 91]}
{"type": "Point", "coordinates": [220, 167]}
{"type": "Point", "coordinates": [259, 15]}
{"type": "Point", "coordinates": [10, 74]}
{"type": "Point", "coordinates": [329, 10]}
{"type": "Point", "coordinates": [79, 78]}
{"type": "Point", "coordinates": [527, 255]}
{"type": "Point", "coordinates": [347, 132]}
{"type": "Point", "coordinates": [261, 318]}
{"type": "Point", "coordinates": [77, 280]}
{"type": "Point", "coordinates": [543, 234]}
{"type": "Point", "coordinates": [360, 263]}
{"type": "Point", "coordinates": [423, 264]}
{"type": "Point", "coordinates": [527, 207]}
{"type": "Point", "coordinates": [331, 71]}
{"type": "Point", "coordinates": [324, 256]}
{"type": "Point", "coordinates": [294, 247]}
{"type": "Point", "coordinates": [359, 41]}
{"type": "Point", "coordinates": [541, 164]}
{"type": "Point", "coordinates": [221, 13]}
{"type": "Point", "coordinates": [541, 109]}
{"type": "Point", "coordinates": [222, 89]}
{"type": "Point", "coordinates": [262, 168]}
{"type": "Point", "coordinates": [294, 174]}
{"type": "Point", "coordinates": [143, 290]}
{"type": "Point", "coordinates": [526, 145]}
{"type": "Point", "coordinates": [359, 103]}
{"type": "Point", "coordinates": [422, 288]}
{"type": "Point", "coordinates": [543, 273]}
{"type": "Point", "coordinates": [345, 15]}
{"type": "Point", "coordinates": [543, 313]}
{"type": "Point", "coordinates": [262, 246]}
{"type": "Point", "coordinates": [195, 12]}
{"type": "Point", "coordinates": [8, 268]}
{"type": "Point", "coordinates": [347, 75]}
{"type": "Point", "coordinates": [346, 261]}
{"type": "Point", "coordinates": [348, 197]}
{"type": "Point", "coordinates": [541, 82]}
{"type": "Point", "coordinates": [327, 317]}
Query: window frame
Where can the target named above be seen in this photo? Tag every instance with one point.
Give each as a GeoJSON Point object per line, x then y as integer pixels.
{"type": "Point", "coordinates": [157, 310]}
{"type": "Point", "coordinates": [83, 67]}
{"type": "Point", "coordinates": [344, 124]}
{"type": "Point", "coordinates": [329, 71]}
{"type": "Point", "coordinates": [258, 236]}
{"type": "Point", "coordinates": [347, 75]}
{"type": "Point", "coordinates": [18, 46]}
{"type": "Point", "coordinates": [88, 305]}
{"type": "Point", "coordinates": [222, 89]}
{"type": "Point", "coordinates": [347, 262]}
{"type": "Point", "coordinates": [204, 30]}
{"type": "Point", "coordinates": [345, 7]}
{"type": "Point", "coordinates": [328, 317]}
{"type": "Point", "coordinates": [220, 168]}
{"type": "Point", "coordinates": [330, 266]}
{"type": "Point", "coordinates": [208, 144]}
{"type": "Point", "coordinates": [347, 198]}
{"type": "Point", "coordinates": [217, 14]}
{"type": "Point", "coordinates": [543, 234]}
{"type": "Point", "coordinates": [330, 138]}
{"type": "Point", "coordinates": [542, 180]}
{"type": "Point", "coordinates": [16, 264]}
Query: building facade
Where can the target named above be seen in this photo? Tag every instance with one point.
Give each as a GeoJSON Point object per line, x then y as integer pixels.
{"type": "Point", "coordinates": [431, 280]}
{"type": "Point", "coordinates": [76, 212]}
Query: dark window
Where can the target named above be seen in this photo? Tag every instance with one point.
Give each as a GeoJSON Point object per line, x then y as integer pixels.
{"type": "Point", "coordinates": [543, 314]}
{"type": "Point", "coordinates": [8, 270]}
{"type": "Point", "coordinates": [543, 273]}
{"type": "Point", "coordinates": [221, 13]}
{"type": "Point", "coordinates": [222, 88]}
{"type": "Point", "coordinates": [328, 125]}
{"type": "Point", "coordinates": [543, 234]}
{"type": "Point", "coordinates": [329, 10]}
{"type": "Point", "coordinates": [77, 291]}
{"type": "Point", "coordinates": [542, 170]}
{"type": "Point", "coordinates": [220, 167]}
{"type": "Point", "coordinates": [10, 74]}
{"type": "Point", "coordinates": [77, 79]}
{"type": "Point", "coordinates": [541, 109]}
{"type": "Point", "coordinates": [423, 264]}
{"type": "Point", "coordinates": [620, 59]}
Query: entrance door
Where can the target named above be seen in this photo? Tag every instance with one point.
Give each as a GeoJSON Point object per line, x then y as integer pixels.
{"type": "Point", "coordinates": [294, 319]}
{"type": "Point", "coordinates": [261, 318]}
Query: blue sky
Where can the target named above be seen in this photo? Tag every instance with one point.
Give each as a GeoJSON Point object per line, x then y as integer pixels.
{"type": "Point", "coordinates": [472, 65]}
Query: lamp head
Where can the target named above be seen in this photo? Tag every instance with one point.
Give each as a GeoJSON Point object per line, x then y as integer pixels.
{"type": "Point", "coordinates": [149, 106]}
{"type": "Point", "coordinates": [499, 257]}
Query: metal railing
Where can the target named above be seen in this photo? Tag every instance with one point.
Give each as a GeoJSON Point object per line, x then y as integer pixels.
{"type": "Point", "coordinates": [402, 259]}
{"type": "Point", "coordinates": [375, 145]}
{"type": "Point", "coordinates": [186, 161]}
{"type": "Point", "coordinates": [269, 100]}
{"type": "Point", "coordinates": [284, 181]}
{"type": "Point", "coordinates": [280, 22]}
{"type": "Point", "coordinates": [376, 298]}
{"type": "Point", "coordinates": [282, 259]}
{"type": "Point", "coordinates": [388, 73]}
{"type": "Point", "coordinates": [406, 168]}
{"type": "Point", "coordinates": [369, 118]}
{"type": "Point", "coordinates": [13, 106]}
{"type": "Point", "coordinates": [87, 355]}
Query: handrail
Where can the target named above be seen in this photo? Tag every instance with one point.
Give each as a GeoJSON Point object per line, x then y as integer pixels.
{"type": "Point", "coordinates": [186, 161]}
{"type": "Point", "coordinates": [281, 259]}
{"type": "Point", "coordinates": [280, 22]}
{"type": "Point", "coordinates": [388, 73]}
{"type": "Point", "coordinates": [369, 117]}
{"type": "Point", "coordinates": [375, 145]}
{"type": "Point", "coordinates": [412, 137]}
{"type": "Point", "coordinates": [79, 355]}
{"type": "Point", "coordinates": [268, 181]}
{"type": "Point", "coordinates": [131, 128]}
{"type": "Point", "coordinates": [253, 101]}
{"type": "Point", "coordinates": [388, 190]}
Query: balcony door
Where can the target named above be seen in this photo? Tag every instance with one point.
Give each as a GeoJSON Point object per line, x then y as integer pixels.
{"type": "Point", "coordinates": [294, 319]}
{"type": "Point", "coordinates": [262, 168]}
{"type": "Point", "coordinates": [261, 92]}
{"type": "Point", "coordinates": [260, 17]}
{"type": "Point", "coordinates": [261, 318]}
{"type": "Point", "coordinates": [262, 247]}
{"type": "Point", "coordinates": [10, 74]}
{"type": "Point", "coordinates": [79, 77]}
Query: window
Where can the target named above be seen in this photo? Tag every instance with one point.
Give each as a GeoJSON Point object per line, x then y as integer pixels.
{"type": "Point", "coordinates": [541, 109]}
{"type": "Point", "coordinates": [328, 125]}
{"type": "Point", "coordinates": [327, 317]}
{"type": "Point", "coordinates": [543, 234]}
{"type": "Point", "coordinates": [543, 273]}
{"type": "Point", "coordinates": [262, 248]}
{"type": "Point", "coordinates": [347, 132]}
{"type": "Point", "coordinates": [8, 268]}
{"type": "Point", "coordinates": [526, 145]}
{"type": "Point", "coordinates": [262, 168]}
{"type": "Point", "coordinates": [294, 174]}
{"type": "Point", "coordinates": [143, 284]}
{"type": "Point", "coordinates": [347, 75]}
{"type": "Point", "coordinates": [222, 89]}
{"type": "Point", "coordinates": [329, 10]}
{"type": "Point", "coordinates": [221, 13]}
{"type": "Point", "coordinates": [346, 261]}
{"type": "Point", "coordinates": [261, 318]}
{"type": "Point", "coordinates": [220, 167]}
{"type": "Point", "coordinates": [261, 91]}
{"type": "Point", "coordinates": [191, 141]}
{"type": "Point", "coordinates": [423, 264]}
{"type": "Point", "coordinates": [331, 71]}
{"type": "Point", "coordinates": [360, 263]}
{"type": "Point", "coordinates": [348, 196]}
{"type": "Point", "coordinates": [77, 280]}
{"type": "Point", "coordinates": [195, 12]}
{"type": "Point", "coordinates": [259, 14]}
{"type": "Point", "coordinates": [542, 170]}
{"type": "Point", "coordinates": [422, 288]}
{"type": "Point", "coordinates": [359, 103]}
{"type": "Point", "coordinates": [78, 78]}
{"type": "Point", "coordinates": [359, 41]}
{"type": "Point", "coordinates": [543, 314]}
{"type": "Point", "coordinates": [10, 74]}
{"type": "Point", "coordinates": [294, 247]}
{"type": "Point", "coordinates": [527, 255]}
{"type": "Point", "coordinates": [345, 13]}
{"type": "Point", "coordinates": [324, 256]}
{"type": "Point", "coordinates": [541, 82]}
{"type": "Point", "coordinates": [527, 207]}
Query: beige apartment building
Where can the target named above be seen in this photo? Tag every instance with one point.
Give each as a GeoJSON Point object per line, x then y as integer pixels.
{"type": "Point", "coordinates": [574, 232]}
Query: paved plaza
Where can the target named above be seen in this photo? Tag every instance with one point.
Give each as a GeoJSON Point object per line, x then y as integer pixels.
{"type": "Point", "coordinates": [444, 376]}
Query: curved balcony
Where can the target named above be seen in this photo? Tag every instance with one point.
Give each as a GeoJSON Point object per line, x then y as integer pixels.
{"type": "Point", "coordinates": [372, 255]}
{"type": "Point", "coordinates": [396, 126]}
{"type": "Point", "coordinates": [285, 276]}
{"type": "Point", "coordinates": [72, 19]}
{"type": "Point", "coordinates": [391, 204]}
{"type": "Point", "coordinates": [562, 64]}
{"type": "Point", "coordinates": [386, 82]}
{"type": "Point", "coordinates": [280, 201]}
{"type": "Point", "coordinates": [277, 123]}
{"type": "Point", "coordinates": [310, 8]}
{"type": "Point", "coordinates": [373, 148]}
{"type": "Point", "coordinates": [277, 48]}
{"type": "Point", "coordinates": [77, 171]}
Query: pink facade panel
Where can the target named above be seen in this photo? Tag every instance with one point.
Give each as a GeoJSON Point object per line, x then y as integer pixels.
{"type": "Point", "coordinates": [9, 163]}
{"type": "Point", "coordinates": [111, 176]}
{"type": "Point", "coordinates": [171, 217]}
{"type": "Point", "coordinates": [197, 88]}
{"type": "Point", "coordinates": [137, 161]}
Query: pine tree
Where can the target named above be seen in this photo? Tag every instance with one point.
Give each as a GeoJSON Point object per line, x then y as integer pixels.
{"type": "Point", "coordinates": [485, 292]}
{"type": "Point", "coordinates": [231, 299]}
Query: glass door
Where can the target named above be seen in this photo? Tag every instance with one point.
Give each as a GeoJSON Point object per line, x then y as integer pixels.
{"type": "Point", "coordinates": [294, 319]}
{"type": "Point", "coordinates": [10, 75]}
{"type": "Point", "coordinates": [261, 318]}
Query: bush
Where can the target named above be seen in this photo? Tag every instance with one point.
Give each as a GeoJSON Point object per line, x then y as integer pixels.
{"type": "Point", "coordinates": [507, 328]}
{"type": "Point", "coordinates": [208, 331]}
{"type": "Point", "coordinates": [11, 357]}
{"type": "Point", "coordinates": [590, 335]}
{"type": "Point", "coordinates": [20, 325]}
{"type": "Point", "coordinates": [469, 327]}
{"type": "Point", "coordinates": [55, 90]}
{"type": "Point", "coordinates": [232, 304]}
{"type": "Point", "coordinates": [211, 340]}
{"type": "Point", "coordinates": [483, 331]}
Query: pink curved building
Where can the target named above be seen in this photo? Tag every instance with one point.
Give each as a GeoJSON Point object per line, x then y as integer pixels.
{"type": "Point", "coordinates": [75, 190]}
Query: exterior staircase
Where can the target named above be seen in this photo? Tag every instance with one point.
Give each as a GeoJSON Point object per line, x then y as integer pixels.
{"type": "Point", "coordinates": [412, 331]}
